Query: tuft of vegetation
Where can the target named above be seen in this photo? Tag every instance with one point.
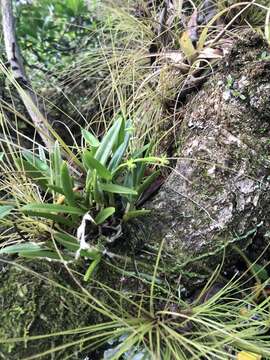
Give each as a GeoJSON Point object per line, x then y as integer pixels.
{"type": "Point", "coordinates": [221, 321]}
{"type": "Point", "coordinates": [103, 192]}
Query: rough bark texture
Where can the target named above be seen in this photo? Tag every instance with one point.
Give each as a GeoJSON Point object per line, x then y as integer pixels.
{"type": "Point", "coordinates": [219, 190]}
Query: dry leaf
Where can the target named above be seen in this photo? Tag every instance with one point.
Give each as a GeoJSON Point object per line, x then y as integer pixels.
{"type": "Point", "coordinates": [210, 53]}
{"type": "Point", "coordinates": [173, 58]}
{"type": "Point", "coordinates": [187, 46]}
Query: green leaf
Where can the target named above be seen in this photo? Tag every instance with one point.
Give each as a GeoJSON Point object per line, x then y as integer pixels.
{"type": "Point", "coordinates": [56, 163]}
{"type": "Point", "coordinates": [88, 187]}
{"type": "Point", "coordinates": [135, 213]}
{"type": "Point", "coordinates": [108, 142]}
{"type": "Point", "coordinates": [74, 5]}
{"type": "Point", "coordinates": [187, 46]}
{"type": "Point", "coordinates": [90, 138]}
{"type": "Point", "coordinates": [52, 208]}
{"type": "Point", "coordinates": [56, 218]}
{"type": "Point", "coordinates": [117, 189]}
{"type": "Point", "coordinates": [1, 156]}
{"type": "Point", "coordinates": [91, 268]}
{"type": "Point", "coordinates": [93, 253]}
{"type": "Point", "coordinates": [41, 154]}
{"type": "Point", "coordinates": [68, 241]}
{"type": "Point", "coordinates": [104, 214]}
{"type": "Point", "coordinates": [119, 153]}
{"type": "Point", "coordinates": [140, 151]}
{"type": "Point", "coordinates": [148, 181]}
{"type": "Point", "coordinates": [14, 249]}
{"type": "Point", "coordinates": [206, 27]}
{"type": "Point", "coordinates": [96, 190]}
{"type": "Point", "coordinates": [5, 210]}
{"type": "Point", "coordinates": [43, 254]}
{"type": "Point", "coordinates": [92, 163]}
{"type": "Point", "coordinates": [43, 209]}
{"type": "Point", "coordinates": [36, 162]}
{"type": "Point", "coordinates": [67, 185]}
{"type": "Point", "coordinates": [138, 173]}
{"type": "Point", "coordinates": [118, 156]}
{"type": "Point", "coordinates": [121, 134]}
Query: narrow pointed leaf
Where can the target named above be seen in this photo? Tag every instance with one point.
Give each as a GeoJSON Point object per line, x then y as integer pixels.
{"type": "Point", "coordinates": [140, 152]}
{"type": "Point", "coordinates": [187, 46]}
{"type": "Point", "coordinates": [44, 254]}
{"type": "Point", "coordinates": [67, 185]}
{"type": "Point", "coordinates": [118, 189]}
{"type": "Point", "coordinates": [148, 181]}
{"type": "Point", "coordinates": [14, 249]}
{"type": "Point", "coordinates": [68, 241]}
{"type": "Point", "coordinates": [36, 162]}
{"type": "Point", "coordinates": [92, 164]}
{"type": "Point", "coordinates": [57, 189]}
{"type": "Point", "coordinates": [121, 134]}
{"type": "Point", "coordinates": [119, 153]}
{"type": "Point", "coordinates": [92, 268]}
{"type": "Point", "coordinates": [108, 142]}
{"type": "Point", "coordinates": [56, 218]}
{"type": "Point", "coordinates": [90, 138]}
{"type": "Point", "coordinates": [139, 171]}
{"type": "Point", "coordinates": [41, 154]}
{"type": "Point", "coordinates": [52, 208]}
{"type": "Point", "coordinates": [56, 163]}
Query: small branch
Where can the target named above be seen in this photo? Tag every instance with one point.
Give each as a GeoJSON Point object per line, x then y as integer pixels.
{"type": "Point", "coordinates": [22, 84]}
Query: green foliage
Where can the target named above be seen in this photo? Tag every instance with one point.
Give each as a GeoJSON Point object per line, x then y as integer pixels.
{"type": "Point", "coordinates": [33, 305]}
{"type": "Point", "coordinates": [51, 31]}
{"type": "Point", "coordinates": [5, 210]}
{"type": "Point", "coordinates": [105, 194]}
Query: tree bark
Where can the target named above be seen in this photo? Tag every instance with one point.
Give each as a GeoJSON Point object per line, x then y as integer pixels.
{"type": "Point", "coordinates": [218, 194]}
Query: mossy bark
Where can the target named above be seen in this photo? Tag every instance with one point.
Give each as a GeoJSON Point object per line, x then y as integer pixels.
{"type": "Point", "coordinates": [32, 305]}
{"type": "Point", "coordinates": [219, 190]}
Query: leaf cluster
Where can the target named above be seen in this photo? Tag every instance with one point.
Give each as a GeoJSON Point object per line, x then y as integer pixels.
{"type": "Point", "coordinates": [95, 203]}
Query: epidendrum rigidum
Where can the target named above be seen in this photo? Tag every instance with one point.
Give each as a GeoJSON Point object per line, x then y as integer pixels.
{"type": "Point", "coordinates": [82, 214]}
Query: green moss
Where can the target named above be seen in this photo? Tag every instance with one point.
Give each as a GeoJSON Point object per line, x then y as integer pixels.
{"type": "Point", "coordinates": [31, 306]}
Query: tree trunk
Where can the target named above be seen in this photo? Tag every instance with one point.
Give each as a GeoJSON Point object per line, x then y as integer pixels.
{"type": "Point", "coordinates": [218, 193]}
